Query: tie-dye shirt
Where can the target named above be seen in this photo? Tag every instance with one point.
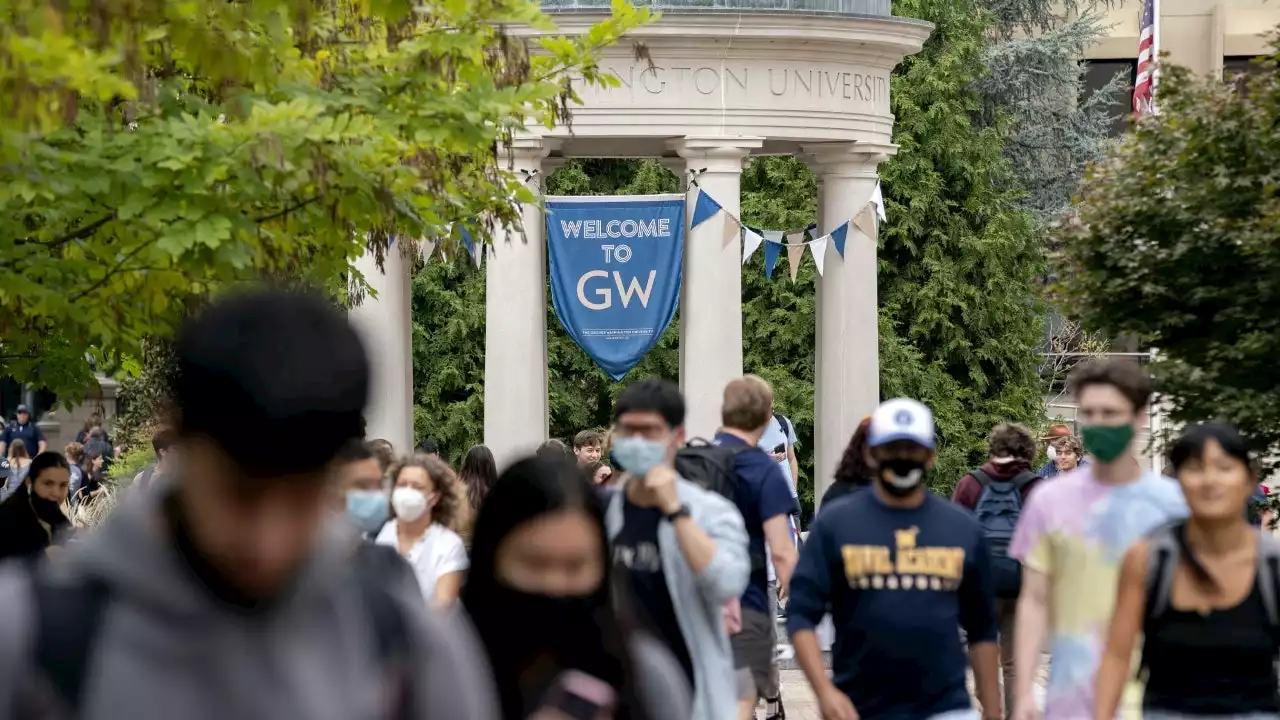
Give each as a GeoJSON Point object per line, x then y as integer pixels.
{"type": "Point", "coordinates": [1075, 530]}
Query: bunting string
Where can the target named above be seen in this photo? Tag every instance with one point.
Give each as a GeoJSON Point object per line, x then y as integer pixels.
{"type": "Point", "coordinates": [865, 222]}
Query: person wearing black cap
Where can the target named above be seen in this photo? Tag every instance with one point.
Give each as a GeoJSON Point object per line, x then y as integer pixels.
{"type": "Point", "coordinates": [232, 590]}
{"type": "Point", "coordinates": [23, 428]}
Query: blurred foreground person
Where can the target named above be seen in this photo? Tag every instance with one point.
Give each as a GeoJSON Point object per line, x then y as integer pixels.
{"type": "Point", "coordinates": [31, 519]}
{"type": "Point", "coordinates": [233, 591]}
{"type": "Point", "coordinates": [1202, 593]}
{"type": "Point", "coordinates": [539, 593]}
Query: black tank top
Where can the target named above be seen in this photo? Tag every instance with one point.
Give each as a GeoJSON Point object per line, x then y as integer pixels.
{"type": "Point", "coordinates": [1222, 663]}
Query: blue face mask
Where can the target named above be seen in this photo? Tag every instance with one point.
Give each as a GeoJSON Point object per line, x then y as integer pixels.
{"type": "Point", "coordinates": [367, 509]}
{"type": "Point", "coordinates": [638, 455]}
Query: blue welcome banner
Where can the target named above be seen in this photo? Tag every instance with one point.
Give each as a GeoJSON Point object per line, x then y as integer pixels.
{"type": "Point", "coordinates": [616, 266]}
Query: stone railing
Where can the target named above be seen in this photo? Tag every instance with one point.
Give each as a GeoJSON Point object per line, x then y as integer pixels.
{"type": "Point", "coordinates": [810, 7]}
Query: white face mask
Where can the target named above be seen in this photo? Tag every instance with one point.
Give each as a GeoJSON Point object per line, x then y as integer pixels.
{"type": "Point", "coordinates": [1053, 453]}
{"type": "Point", "coordinates": [409, 503]}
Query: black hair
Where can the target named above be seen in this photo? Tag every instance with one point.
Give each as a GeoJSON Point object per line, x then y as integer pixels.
{"type": "Point", "coordinates": [268, 370]}
{"type": "Point", "coordinates": [1190, 446]}
{"type": "Point", "coordinates": [354, 450]}
{"type": "Point", "coordinates": [529, 489]}
{"type": "Point", "coordinates": [429, 447]}
{"type": "Point", "coordinates": [652, 395]}
{"type": "Point", "coordinates": [44, 461]}
{"type": "Point", "coordinates": [479, 474]}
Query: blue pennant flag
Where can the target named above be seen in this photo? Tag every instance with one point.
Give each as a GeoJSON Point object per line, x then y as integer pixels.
{"type": "Point", "coordinates": [771, 251]}
{"type": "Point", "coordinates": [615, 266]}
{"type": "Point", "coordinates": [838, 237]}
{"type": "Point", "coordinates": [704, 209]}
{"type": "Point", "coordinates": [466, 239]}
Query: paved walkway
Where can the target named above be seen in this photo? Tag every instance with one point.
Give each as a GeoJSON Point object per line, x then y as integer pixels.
{"type": "Point", "coordinates": [802, 705]}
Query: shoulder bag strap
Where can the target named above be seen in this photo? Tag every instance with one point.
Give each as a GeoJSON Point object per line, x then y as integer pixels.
{"type": "Point", "coordinates": [983, 479]}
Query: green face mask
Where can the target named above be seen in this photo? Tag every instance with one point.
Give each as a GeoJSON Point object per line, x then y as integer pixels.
{"type": "Point", "coordinates": [1106, 442]}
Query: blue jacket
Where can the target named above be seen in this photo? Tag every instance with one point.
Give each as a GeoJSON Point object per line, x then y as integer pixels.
{"type": "Point", "coordinates": [700, 598]}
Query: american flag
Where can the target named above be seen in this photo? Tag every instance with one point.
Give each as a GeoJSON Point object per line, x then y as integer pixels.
{"type": "Point", "coordinates": [1143, 91]}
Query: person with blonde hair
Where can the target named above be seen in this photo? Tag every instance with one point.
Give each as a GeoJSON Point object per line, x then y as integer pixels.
{"type": "Point", "coordinates": [429, 510]}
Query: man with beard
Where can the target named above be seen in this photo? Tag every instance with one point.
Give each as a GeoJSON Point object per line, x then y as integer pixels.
{"type": "Point", "coordinates": [900, 569]}
{"type": "Point", "coordinates": [233, 590]}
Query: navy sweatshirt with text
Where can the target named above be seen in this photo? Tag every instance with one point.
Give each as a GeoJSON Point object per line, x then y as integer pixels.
{"type": "Point", "coordinates": [899, 584]}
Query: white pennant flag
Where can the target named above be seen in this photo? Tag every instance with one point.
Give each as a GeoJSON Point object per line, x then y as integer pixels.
{"type": "Point", "coordinates": [426, 247]}
{"type": "Point", "coordinates": [774, 235]}
{"type": "Point", "coordinates": [877, 199]}
{"type": "Point", "coordinates": [819, 249]}
{"type": "Point", "coordinates": [753, 240]}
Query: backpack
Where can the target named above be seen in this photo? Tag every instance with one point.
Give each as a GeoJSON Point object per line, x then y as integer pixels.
{"type": "Point", "coordinates": [997, 512]}
{"type": "Point", "coordinates": [70, 616]}
{"type": "Point", "coordinates": [710, 466]}
{"type": "Point", "coordinates": [785, 425]}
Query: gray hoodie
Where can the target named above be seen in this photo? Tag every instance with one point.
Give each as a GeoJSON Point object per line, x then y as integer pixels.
{"type": "Point", "coordinates": [166, 649]}
{"type": "Point", "coordinates": [699, 598]}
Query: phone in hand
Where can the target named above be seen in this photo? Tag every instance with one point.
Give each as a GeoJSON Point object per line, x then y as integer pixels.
{"type": "Point", "coordinates": [576, 695]}
{"type": "Point", "coordinates": [781, 449]}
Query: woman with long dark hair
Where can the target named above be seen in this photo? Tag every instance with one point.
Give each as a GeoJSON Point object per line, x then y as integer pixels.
{"type": "Point", "coordinates": [854, 471]}
{"type": "Point", "coordinates": [540, 595]}
{"type": "Point", "coordinates": [1202, 592]}
{"type": "Point", "coordinates": [32, 519]}
{"type": "Point", "coordinates": [479, 473]}
{"type": "Point", "coordinates": [92, 475]}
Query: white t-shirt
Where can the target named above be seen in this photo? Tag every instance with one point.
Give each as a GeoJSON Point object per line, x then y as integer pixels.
{"type": "Point", "coordinates": [437, 553]}
{"type": "Point", "coordinates": [775, 435]}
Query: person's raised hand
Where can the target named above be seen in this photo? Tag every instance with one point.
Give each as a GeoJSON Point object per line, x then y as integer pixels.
{"type": "Point", "coordinates": [661, 481]}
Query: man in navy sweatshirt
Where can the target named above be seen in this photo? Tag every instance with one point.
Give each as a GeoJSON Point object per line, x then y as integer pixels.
{"type": "Point", "coordinates": [901, 570]}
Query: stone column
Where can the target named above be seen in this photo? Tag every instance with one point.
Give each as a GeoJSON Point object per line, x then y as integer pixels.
{"type": "Point", "coordinates": [515, 358]}
{"type": "Point", "coordinates": [847, 372]}
{"type": "Point", "coordinates": [711, 294]}
{"type": "Point", "coordinates": [385, 324]}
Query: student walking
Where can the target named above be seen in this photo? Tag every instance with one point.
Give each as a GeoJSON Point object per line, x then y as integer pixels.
{"type": "Point", "coordinates": [1071, 537]}
{"type": "Point", "coordinates": [682, 549]}
{"type": "Point", "coordinates": [542, 595]}
{"type": "Point", "coordinates": [901, 569]}
{"type": "Point", "coordinates": [1202, 592]}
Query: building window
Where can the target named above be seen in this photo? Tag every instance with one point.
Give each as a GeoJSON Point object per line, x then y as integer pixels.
{"type": "Point", "coordinates": [1236, 68]}
{"type": "Point", "coordinates": [1098, 76]}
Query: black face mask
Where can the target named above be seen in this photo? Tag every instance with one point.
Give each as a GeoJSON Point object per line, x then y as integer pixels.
{"type": "Point", "coordinates": [47, 510]}
{"type": "Point", "coordinates": [900, 477]}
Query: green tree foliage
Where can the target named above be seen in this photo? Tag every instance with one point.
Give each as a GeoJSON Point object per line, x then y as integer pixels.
{"type": "Point", "coordinates": [959, 258]}
{"type": "Point", "coordinates": [1174, 241]}
{"type": "Point", "coordinates": [153, 151]}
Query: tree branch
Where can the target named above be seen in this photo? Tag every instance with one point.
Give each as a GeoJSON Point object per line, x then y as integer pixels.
{"type": "Point", "coordinates": [79, 233]}
{"type": "Point", "coordinates": [103, 280]}
{"type": "Point", "coordinates": [286, 211]}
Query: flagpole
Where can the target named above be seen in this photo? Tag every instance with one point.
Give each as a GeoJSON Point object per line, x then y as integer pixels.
{"type": "Point", "coordinates": [1155, 51]}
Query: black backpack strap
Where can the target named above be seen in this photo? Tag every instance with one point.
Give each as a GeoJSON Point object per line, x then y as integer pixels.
{"type": "Point", "coordinates": [377, 569]}
{"type": "Point", "coordinates": [982, 478]}
{"type": "Point", "coordinates": [68, 618]}
{"type": "Point", "coordinates": [1162, 560]}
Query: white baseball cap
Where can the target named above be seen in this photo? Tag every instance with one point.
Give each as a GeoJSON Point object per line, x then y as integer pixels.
{"type": "Point", "coordinates": [901, 419]}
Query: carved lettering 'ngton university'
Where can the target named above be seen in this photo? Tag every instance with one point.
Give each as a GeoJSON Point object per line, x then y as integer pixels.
{"type": "Point", "coordinates": [778, 81]}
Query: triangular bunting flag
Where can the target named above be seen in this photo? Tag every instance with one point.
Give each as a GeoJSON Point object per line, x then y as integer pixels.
{"type": "Point", "coordinates": [812, 229]}
{"type": "Point", "coordinates": [877, 199]}
{"type": "Point", "coordinates": [752, 239]}
{"type": "Point", "coordinates": [703, 209]}
{"type": "Point", "coordinates": [774, 235]}
{"type": "Point", "coordinates": [794, 254]}
{"type": "Point", "coordinates": [838, 237]}
{"type": "Point", "coordinates": [796, 238]}
{"type": "Point", "coordinates": [425, 248]}
{"type": "Point", "coordinates": [732, 229]}
{"type": "Point", "coordinates": [865, 221]}
{"type": "Point", "coordinates": [819, 249]}
{"type": "Point", "coordinates": [771, 251]}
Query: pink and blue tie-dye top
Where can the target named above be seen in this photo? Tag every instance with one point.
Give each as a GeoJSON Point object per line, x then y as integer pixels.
{"type": "Point", "coordinates": [1076, 530]}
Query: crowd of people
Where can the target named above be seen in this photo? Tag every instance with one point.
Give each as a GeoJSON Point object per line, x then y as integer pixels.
{"type": "Point", "coordinates": [273, 562]}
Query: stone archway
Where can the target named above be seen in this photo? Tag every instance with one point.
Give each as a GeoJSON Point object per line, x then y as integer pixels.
{"type": "Point", "coordinates": [719, 86]}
